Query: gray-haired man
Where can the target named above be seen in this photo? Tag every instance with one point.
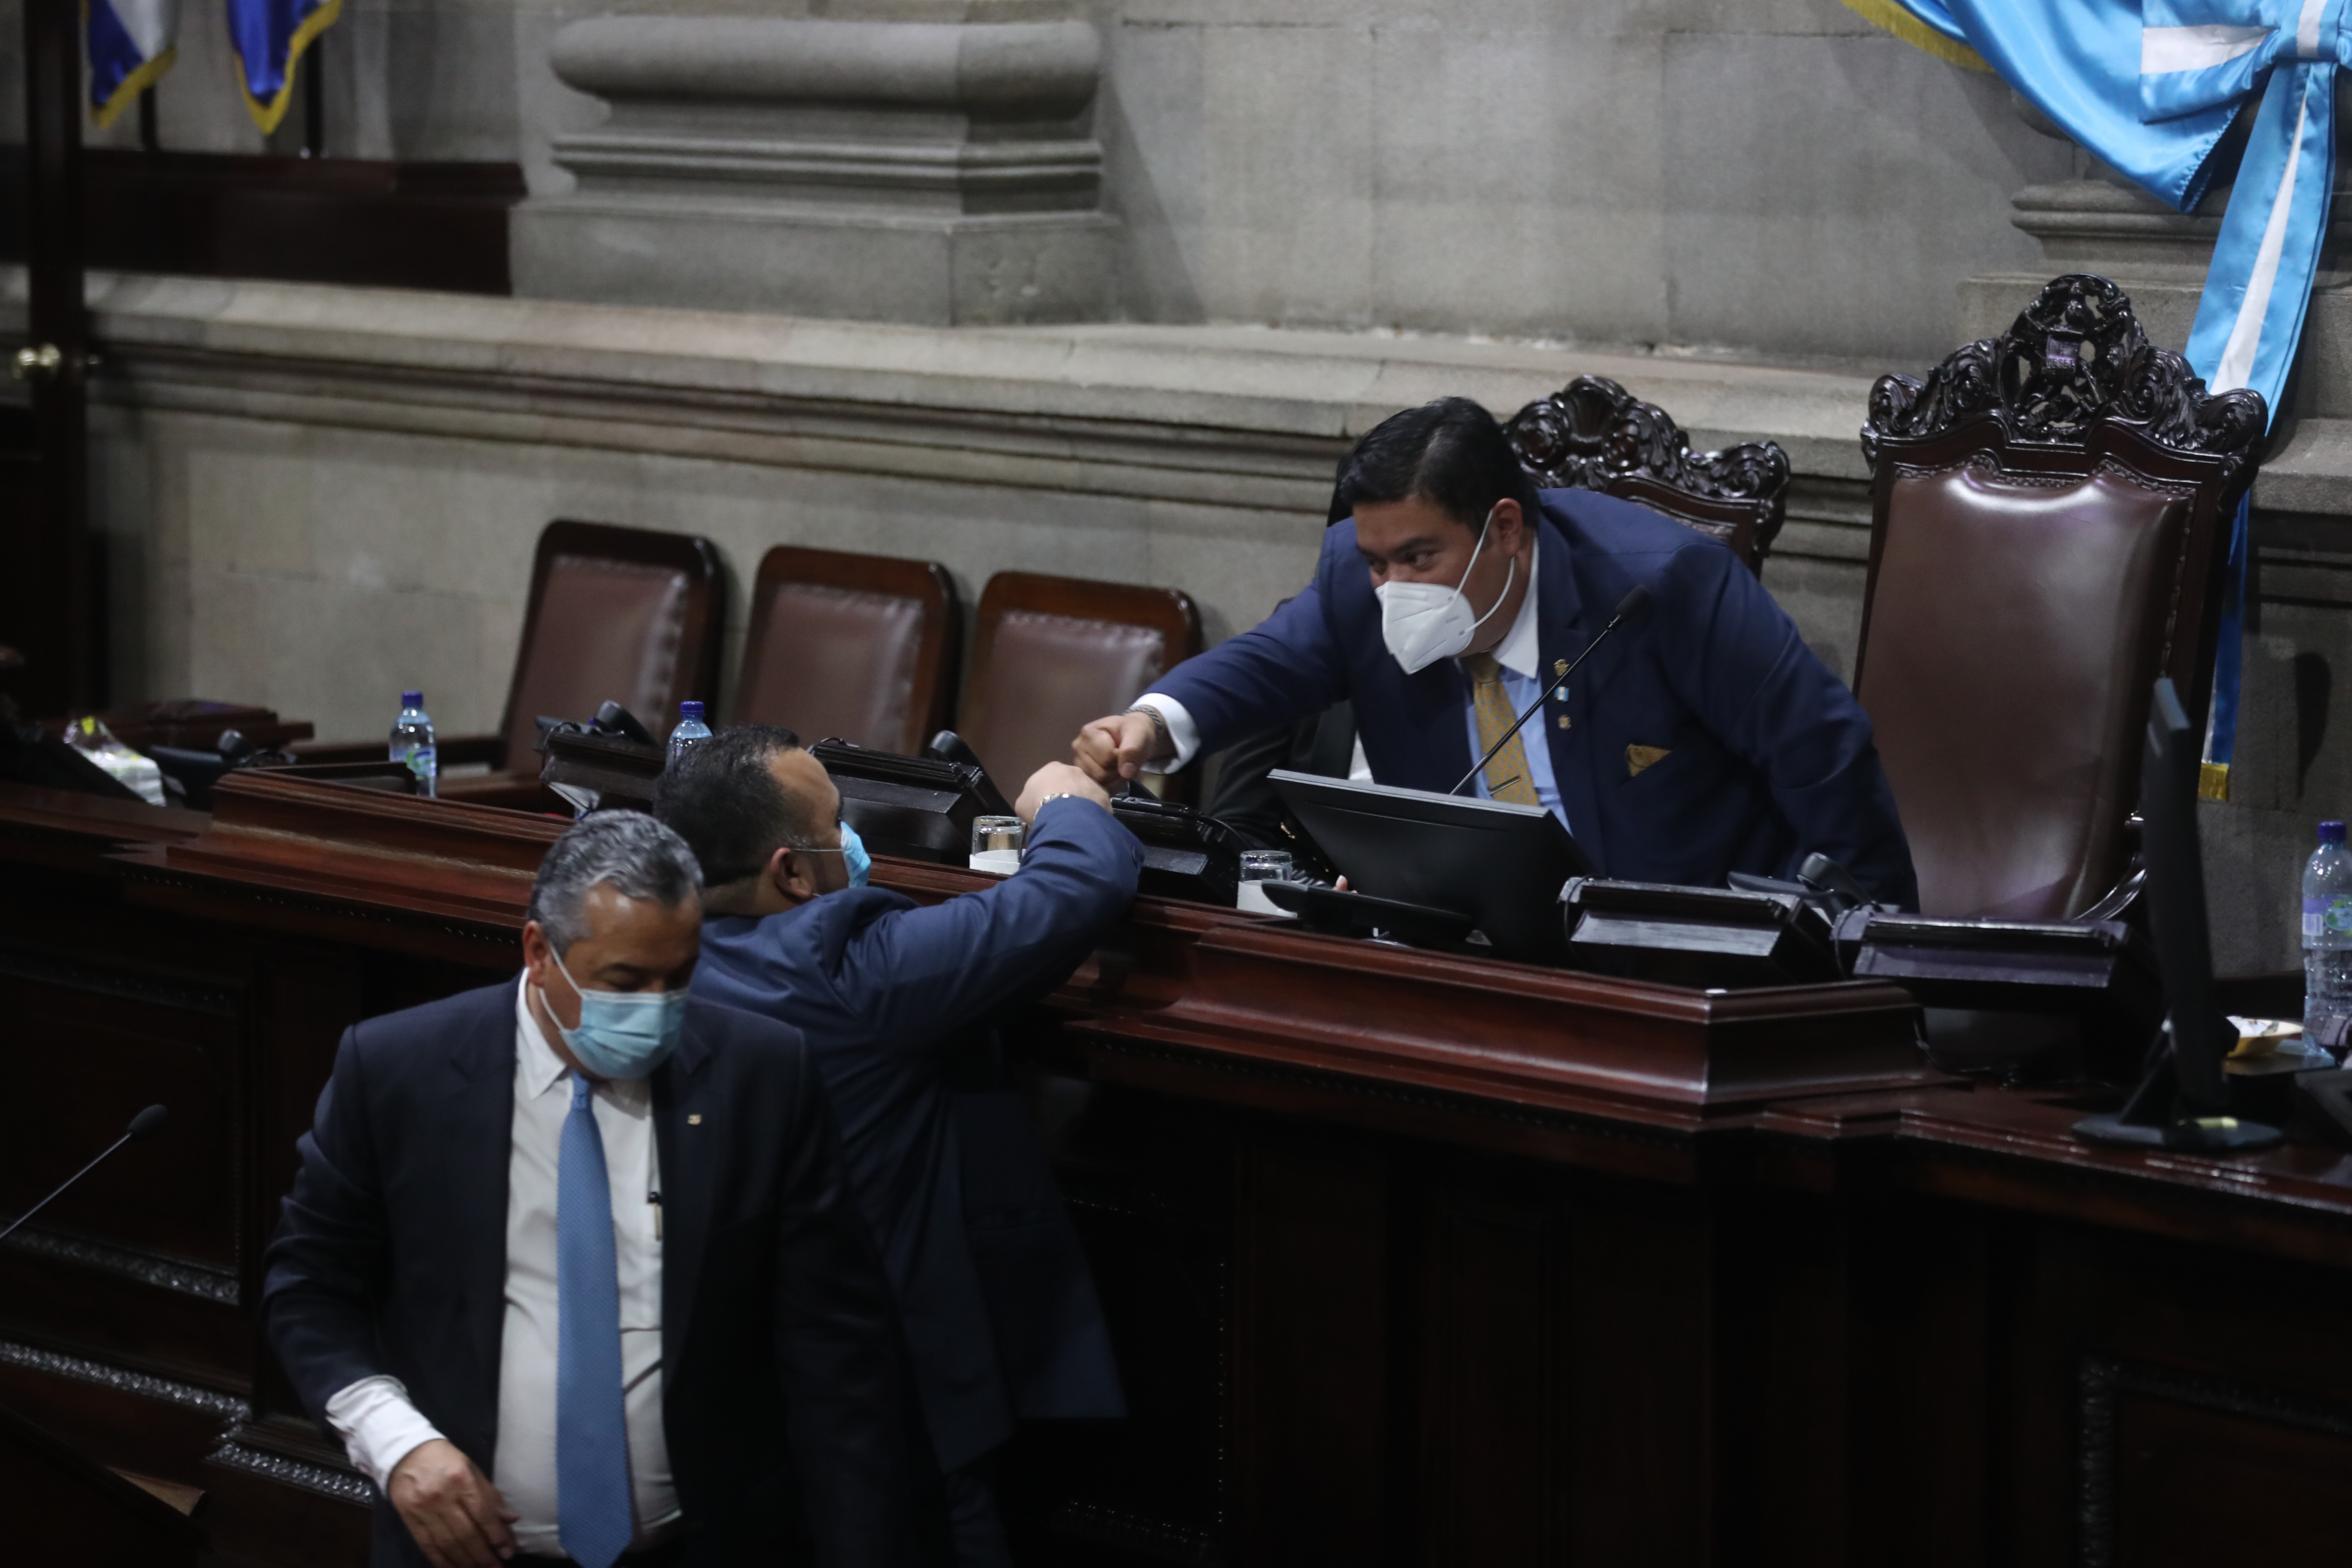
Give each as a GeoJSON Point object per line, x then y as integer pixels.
{"type": "Point", "coordinates": [571, 1266]}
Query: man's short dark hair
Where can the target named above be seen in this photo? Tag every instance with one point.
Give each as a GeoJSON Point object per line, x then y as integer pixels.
{"type": "Point", "coordinates": [721, 799]}
{"type": "Point", "coordinates": [1450, 453]}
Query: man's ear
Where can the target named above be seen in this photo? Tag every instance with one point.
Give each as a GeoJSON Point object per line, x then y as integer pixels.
{"type": "Point", "coordinates": [788, 874]}
{"type": "Point", "coordinates": [1510, 525]}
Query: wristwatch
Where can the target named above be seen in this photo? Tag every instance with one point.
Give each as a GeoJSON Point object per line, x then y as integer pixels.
{"type": "Point", "coordinates": [1058, 794]}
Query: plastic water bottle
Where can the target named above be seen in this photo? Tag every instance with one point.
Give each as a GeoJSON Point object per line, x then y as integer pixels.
{"type": "Point", "coordinates": [690, 729]}
{"type": "Point", "coordinates": [2327, 939]}
{"type": "Point", "coordinates": [412, 743]}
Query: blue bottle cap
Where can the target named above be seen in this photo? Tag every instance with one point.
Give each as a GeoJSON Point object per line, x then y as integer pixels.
{"type": "Point", "coordinates": [689, 711]}
{"type": "Point", "coordinates": [412, 700]}
{"type": "Point", "coordinates": [2331, 833]}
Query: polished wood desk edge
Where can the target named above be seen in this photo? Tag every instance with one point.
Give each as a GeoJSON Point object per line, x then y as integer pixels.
{"type": "Point", "coordinates": [30, 807]}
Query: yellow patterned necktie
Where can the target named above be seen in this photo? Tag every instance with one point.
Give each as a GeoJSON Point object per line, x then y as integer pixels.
{"type": "Point", "coordinates": [1506, 770]}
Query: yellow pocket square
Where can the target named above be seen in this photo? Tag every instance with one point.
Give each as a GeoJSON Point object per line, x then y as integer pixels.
{"type": "Point", "coordinates": [1639, 757]}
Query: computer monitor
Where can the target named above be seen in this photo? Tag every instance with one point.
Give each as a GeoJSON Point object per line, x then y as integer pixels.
{"type": "Point", "coordinates": [1499, 864]}
{"type": "Point", "coordinates": [2183, 1103]}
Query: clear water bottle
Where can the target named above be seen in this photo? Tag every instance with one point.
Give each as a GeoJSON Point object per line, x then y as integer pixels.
{"type": "Point", "coordinates": [412, 743]}
{"type": "Point", "coordinates": [690, 729]}
{"type": "Point", "coordinates": [2327, 939]}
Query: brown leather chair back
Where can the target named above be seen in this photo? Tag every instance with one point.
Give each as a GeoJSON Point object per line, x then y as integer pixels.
{"type": "Point", "coordinates": [858, 646]}
{"type": "Point", "coordinates": [1594, 434]}
{"type": "Point", "coordinates": [1050, 653]}
{"type": "Point", "coordinates": [2051, 521]}
{"type": "Point", "coordinates": [623, 615]}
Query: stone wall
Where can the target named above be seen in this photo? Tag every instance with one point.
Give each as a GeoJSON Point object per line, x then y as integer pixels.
{"type": "Point", "coordinates": [1770, 177]}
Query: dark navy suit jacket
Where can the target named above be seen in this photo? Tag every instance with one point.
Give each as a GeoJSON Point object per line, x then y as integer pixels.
{"type": "Point", "coordinates": [783, 1388]}
{"type": "Point", "coordinates": [1000, 1312]}
{"type": "Point", "coordinates": [1768, 756]}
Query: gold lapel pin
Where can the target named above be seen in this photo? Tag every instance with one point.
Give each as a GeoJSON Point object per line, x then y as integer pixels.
{"type": "Point", "coordinates": [1560, 666]}
{"type": "Point", "coordinates": [695, 1120]}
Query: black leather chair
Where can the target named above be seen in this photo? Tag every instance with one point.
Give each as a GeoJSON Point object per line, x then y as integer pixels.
{"type": "Point", "coordinates": [2050, 524]}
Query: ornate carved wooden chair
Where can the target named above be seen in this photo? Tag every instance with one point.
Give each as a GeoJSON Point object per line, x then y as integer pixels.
{"type": "Point", "coordinates": [621, 615]}
{"type": "Point", "coordinates": [1050, 653]}
{"type": "Point", "coordinates": [859, 646]}
{"type": "Point", "coordinates": [1594, 434]}
{"type": "Point", "coordinates": [2050, 522]}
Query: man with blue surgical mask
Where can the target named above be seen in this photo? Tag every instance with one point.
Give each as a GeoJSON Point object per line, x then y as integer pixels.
{"type": "Point", "coordinates": [897, 1001]}
{"type": "Point", "coordinates": [1452, 597]}
{"type": "Point", "coordinates": [570, 1268]}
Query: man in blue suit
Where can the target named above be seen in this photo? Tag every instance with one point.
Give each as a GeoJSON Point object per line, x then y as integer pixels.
{"type": "Point", "coordinates": [1703, 738]}
{"type": "Point", "coordinates": [896, 999]}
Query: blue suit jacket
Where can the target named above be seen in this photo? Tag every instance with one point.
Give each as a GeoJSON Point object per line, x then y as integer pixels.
{"type": "Point", "coordinates": [896, 1000]}
{"type": "Point", "coordinates": [783, 1388]}
{"type": "Point", "coordinates": [1768, 756]}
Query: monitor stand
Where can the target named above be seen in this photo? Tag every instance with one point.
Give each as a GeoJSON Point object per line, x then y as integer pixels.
{"type": "Point", "coordinates": [2151, 1120]}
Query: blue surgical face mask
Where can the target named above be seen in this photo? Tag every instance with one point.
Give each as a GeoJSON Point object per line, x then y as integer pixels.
{"type": "Point", "coordinates": [622, 1034]}
{"type": "Point", "coordinates": [853, 855]}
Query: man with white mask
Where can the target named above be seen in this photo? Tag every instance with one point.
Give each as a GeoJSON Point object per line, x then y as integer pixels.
{"type": "Point", "coordinates": [1703, 738]}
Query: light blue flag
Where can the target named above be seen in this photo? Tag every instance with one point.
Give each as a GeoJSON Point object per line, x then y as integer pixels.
{"type": "Point", "coordinates": [270, 36]}
{"type": "Point", "coordinates": [2151, 87]}
{"type": "Point", "coordinates": [130, 47]}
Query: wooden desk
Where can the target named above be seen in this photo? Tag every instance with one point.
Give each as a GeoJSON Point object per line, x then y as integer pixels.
{"type": "Point", "coordinates": [1407, 1260]}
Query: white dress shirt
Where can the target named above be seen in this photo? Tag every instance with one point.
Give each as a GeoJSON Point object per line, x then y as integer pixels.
{"type": "Point", "coordinates": [373, 1416]}
{"type": "Point", "coordinates": [1521, 657]}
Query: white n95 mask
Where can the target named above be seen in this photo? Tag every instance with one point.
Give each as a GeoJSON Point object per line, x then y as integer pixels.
{"type": "Point", "coordinates": [1424, 621]}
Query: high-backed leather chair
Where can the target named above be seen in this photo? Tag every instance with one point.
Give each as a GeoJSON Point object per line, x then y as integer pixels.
{"type": "Point", "coordinates": [859, 646]}
{"type": "Point", "coordinates": [1050, 653]}
{"type": "Point", "coordinates": [1594, 434]}
{"type": "Point", "coordinates": [2050, 522]}
{"type": "Point", "coordinates": [621, 614]}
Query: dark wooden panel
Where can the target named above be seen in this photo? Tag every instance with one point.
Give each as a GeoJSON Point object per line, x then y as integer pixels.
{"type": "Point", "coordinates": [1311, 1368]}
{"type": "Point", "coordinates": [2197, 1471]}
{"type": "Point", "coordinates": [313, 220]}
{"type": "Point", "coordinates": [1490, 1489]}
{"type": "Point", "coordinates": [1638, 1366]}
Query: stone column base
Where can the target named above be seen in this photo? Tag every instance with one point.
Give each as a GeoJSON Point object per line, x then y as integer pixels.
{"type": "Point", "coordinates": [945, 270]}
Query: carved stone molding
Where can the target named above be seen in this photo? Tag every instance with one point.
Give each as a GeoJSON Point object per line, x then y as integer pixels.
{"type": "Point", "coordinates": [939, 172]}
{"type": "Point", "coordinates": [2075, 357]}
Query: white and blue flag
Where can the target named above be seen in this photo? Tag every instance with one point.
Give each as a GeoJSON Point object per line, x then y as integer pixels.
{"type": "Point", "coordinates": [131, 45]}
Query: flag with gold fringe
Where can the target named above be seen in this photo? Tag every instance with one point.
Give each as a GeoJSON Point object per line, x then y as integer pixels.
{"type": "Point", "coordinates": [131, 45]}
{"type": "Point", "coordinates": [270, 37]}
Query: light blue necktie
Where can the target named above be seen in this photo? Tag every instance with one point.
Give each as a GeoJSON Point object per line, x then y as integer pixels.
{"type": "Point", "coordinates": [592, 1428]}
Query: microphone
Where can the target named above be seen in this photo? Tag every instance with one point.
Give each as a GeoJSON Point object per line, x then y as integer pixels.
{"type": "Point", "coordinates": [143, 1125]}
{"type": "Point", "coordinates": [1636, 600]}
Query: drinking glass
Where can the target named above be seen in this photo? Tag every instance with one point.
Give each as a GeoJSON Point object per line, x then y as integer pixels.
{"type": "Point", "coordinates": [996, 844]}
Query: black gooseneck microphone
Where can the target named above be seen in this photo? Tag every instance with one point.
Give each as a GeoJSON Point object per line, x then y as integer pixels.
{"type": "Point", "coordinates": [142, 1125]}
{"type": "Point", "coordinates": [1636, 599]}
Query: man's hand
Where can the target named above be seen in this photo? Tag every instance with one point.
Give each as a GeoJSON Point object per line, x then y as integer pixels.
{"type": "Point", "coordinates": [451, 1509]}
{"type": "Point", "coordinates": [1056, 778]}
{"type": "Point", "coordinates": [1116, 747]}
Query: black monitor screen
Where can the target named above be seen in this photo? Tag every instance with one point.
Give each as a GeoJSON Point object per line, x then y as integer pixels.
{"type": "Point", "coordinates": [1499, 864]}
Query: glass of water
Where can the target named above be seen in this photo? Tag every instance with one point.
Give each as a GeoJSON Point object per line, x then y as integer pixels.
{"type": "Point", "coordinates": [996, 844]}
{"type": "Point", "coordinates": [1261, 866]}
